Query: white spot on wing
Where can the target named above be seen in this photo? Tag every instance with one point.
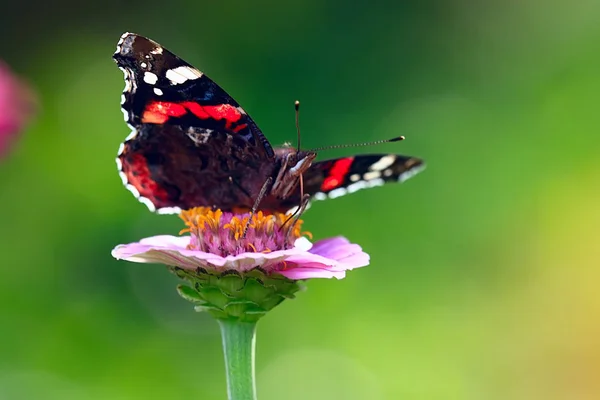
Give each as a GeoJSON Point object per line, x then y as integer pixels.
{"type": "Point", "coordinates": [354, 177]}
{"type": "Point", "coordinates": [131, 135]}
{"type": "Point", "coordinates": [371, 179]}
{"type": "Point", "coordinates": [205, 137]}
{"type": "Point", "coordinates": [127, 77]}
{"type": "Point", "coordinates": [143, 65]}
{"type": "Point", "coordinates": [169, 210]}
{"type": "Point", "coordinates": [147, 202]}
{"type": "Point", "coordinates": [120, 151]}
{"type": "Point", "coordinates": [410, 173]}
{"type": "Point", "coordinates": [157, 50]}
{"type": "Point", "coordinates": [123, 36]}
{"type": "Point", "coordinates": [150, 78]}
{"type": "Point", "coordinates": [383, 163]}
{"type": "Point", "coordinates": [320, 196]}
{"type": "Point", "coordinates": [357, 186]}
{"type": "Point", "coordinates": [182, 74]}
{"type": "Point", "coordinates": [376, 182]}
{"type": "Point", "coordinates": [337, 192]}
{"type": "Point", "coordinates": [371, 175]}
{"type": "Point", "coordinates": [120, 42]}
{"type": "Point", "coordinates": [133, 190]}
{"type": "Point", "coordinates": [123, 177]}
{"type": "Point", "coordinates": [158, 92]}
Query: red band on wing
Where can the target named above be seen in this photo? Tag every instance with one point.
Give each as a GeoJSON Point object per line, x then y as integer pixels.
{"type": "Point", "coordinates": [138, 175]}
{"type": "Point", "coordinates": [238, 128]}
{"type": "Point", "coordinates": [337, 173]}
{"type": "Point", "coordinates": [159, 112]}
{"type": "Point", "coordinates": [223, 111]}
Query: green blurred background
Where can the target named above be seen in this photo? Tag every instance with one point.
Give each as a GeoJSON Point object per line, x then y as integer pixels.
{"type": "Point", "coordinates": [484, 275]}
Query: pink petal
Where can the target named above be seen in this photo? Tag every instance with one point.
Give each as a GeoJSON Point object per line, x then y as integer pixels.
{"type": "Point", "coordinates": [339, 248]}
{"type": "Point", "coordinates": [308, 273]}
{"type": "Point", "coordinates": [325, 246]}
{"type": "Point", "coordinates": [171, 250]}
{"type": "Point", "coordinates": [328, 258]}
{"type": "Point", "coordinates": [167, 241]}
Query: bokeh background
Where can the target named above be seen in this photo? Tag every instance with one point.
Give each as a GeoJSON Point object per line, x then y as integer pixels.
{"type": "Point", "coordinates": [484, 276]}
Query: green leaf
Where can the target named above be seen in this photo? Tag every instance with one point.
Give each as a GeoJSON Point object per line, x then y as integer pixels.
{"type": "Point", "coordinates": [189, 294]}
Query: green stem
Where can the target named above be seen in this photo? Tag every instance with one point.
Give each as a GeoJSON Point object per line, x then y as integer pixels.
{"type": "Point", "coordinates": [239, 339]}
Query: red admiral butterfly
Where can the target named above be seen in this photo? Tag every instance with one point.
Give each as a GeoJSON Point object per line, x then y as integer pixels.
{"type": "Point", "coordinates": [192, 145]}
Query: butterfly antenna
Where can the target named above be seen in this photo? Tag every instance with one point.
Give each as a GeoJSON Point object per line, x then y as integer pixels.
{"type": "Point", "coordinates": [297, 108]}
{"type": "Point", "coordinates": [301, 207]}
{"type": "Point", "coordinates": [343, 146]}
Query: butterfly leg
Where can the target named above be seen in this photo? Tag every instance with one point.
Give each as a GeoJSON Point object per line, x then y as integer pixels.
{"type": "Point", "coordinates": [282, 172]}
{"type": "Point", "coordinates": [261, 195]}
{"type": "Point", "coordinates": [297, 214]}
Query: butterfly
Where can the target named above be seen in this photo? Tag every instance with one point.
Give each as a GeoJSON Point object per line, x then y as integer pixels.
{"type": "Point", "coordinates": [192, 145]}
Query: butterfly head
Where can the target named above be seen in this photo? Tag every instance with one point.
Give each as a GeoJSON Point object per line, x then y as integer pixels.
{"type": "Point", "coordinates": [294, 159]}
{"type": "Point", "coordinates": [292, 164]}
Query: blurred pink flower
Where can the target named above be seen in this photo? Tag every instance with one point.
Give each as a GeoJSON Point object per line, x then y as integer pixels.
{"type": "Point", "coordinates": [216, 244]}
{"type": "Point", "coordinates": [17, 104]}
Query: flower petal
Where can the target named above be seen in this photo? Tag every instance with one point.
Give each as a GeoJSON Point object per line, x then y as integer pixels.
{"type": "Point", "coordinates": [327, 247]}
{"type": "Point", "coordinates": [328, 258]}
{"type": "Point", "coordinates": [165, 249]}
{"type": "Point", "coordinates": [167, 241]}
{"type": "Point", "coordinates": [345, 257]}
{"type": "Point", "coordinates": [303, 243]}
{"type": "Point", "coordinates": [339, 248]}
{"type": "Point", "coordinates": [172, 250]}
{"type": "Point", "coordinates": [298, 273]}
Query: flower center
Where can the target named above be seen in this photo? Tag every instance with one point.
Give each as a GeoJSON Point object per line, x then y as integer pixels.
{"type": "Point", "coordinates": [222, 233]}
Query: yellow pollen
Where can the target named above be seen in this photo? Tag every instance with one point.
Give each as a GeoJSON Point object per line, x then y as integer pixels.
{"type": "Point", "coordinates": [201, 219]}
{"type": "Point", "coordinates": [252, 246]}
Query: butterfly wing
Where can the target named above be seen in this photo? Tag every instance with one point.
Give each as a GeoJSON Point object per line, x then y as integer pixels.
{"type": "Point", "coordinates": [334, 178]}
{"type": "Point", "coordinates": [191, 144]}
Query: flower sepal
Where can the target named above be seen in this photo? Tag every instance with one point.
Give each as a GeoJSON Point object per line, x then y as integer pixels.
{"type": "Point", "coordinates": [232, 295]}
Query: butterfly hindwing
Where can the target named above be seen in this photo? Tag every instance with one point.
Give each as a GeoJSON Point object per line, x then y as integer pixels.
{"type": "Point", "coordinates": [337, 177]}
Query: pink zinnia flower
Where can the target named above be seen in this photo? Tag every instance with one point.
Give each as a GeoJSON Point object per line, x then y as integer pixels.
{"type": "Point", "coordinates": [220, 261]}
{"type": "Point", "coordinates": [215, 243]}
{"type": "Point", "coordinates": [17, 104]}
